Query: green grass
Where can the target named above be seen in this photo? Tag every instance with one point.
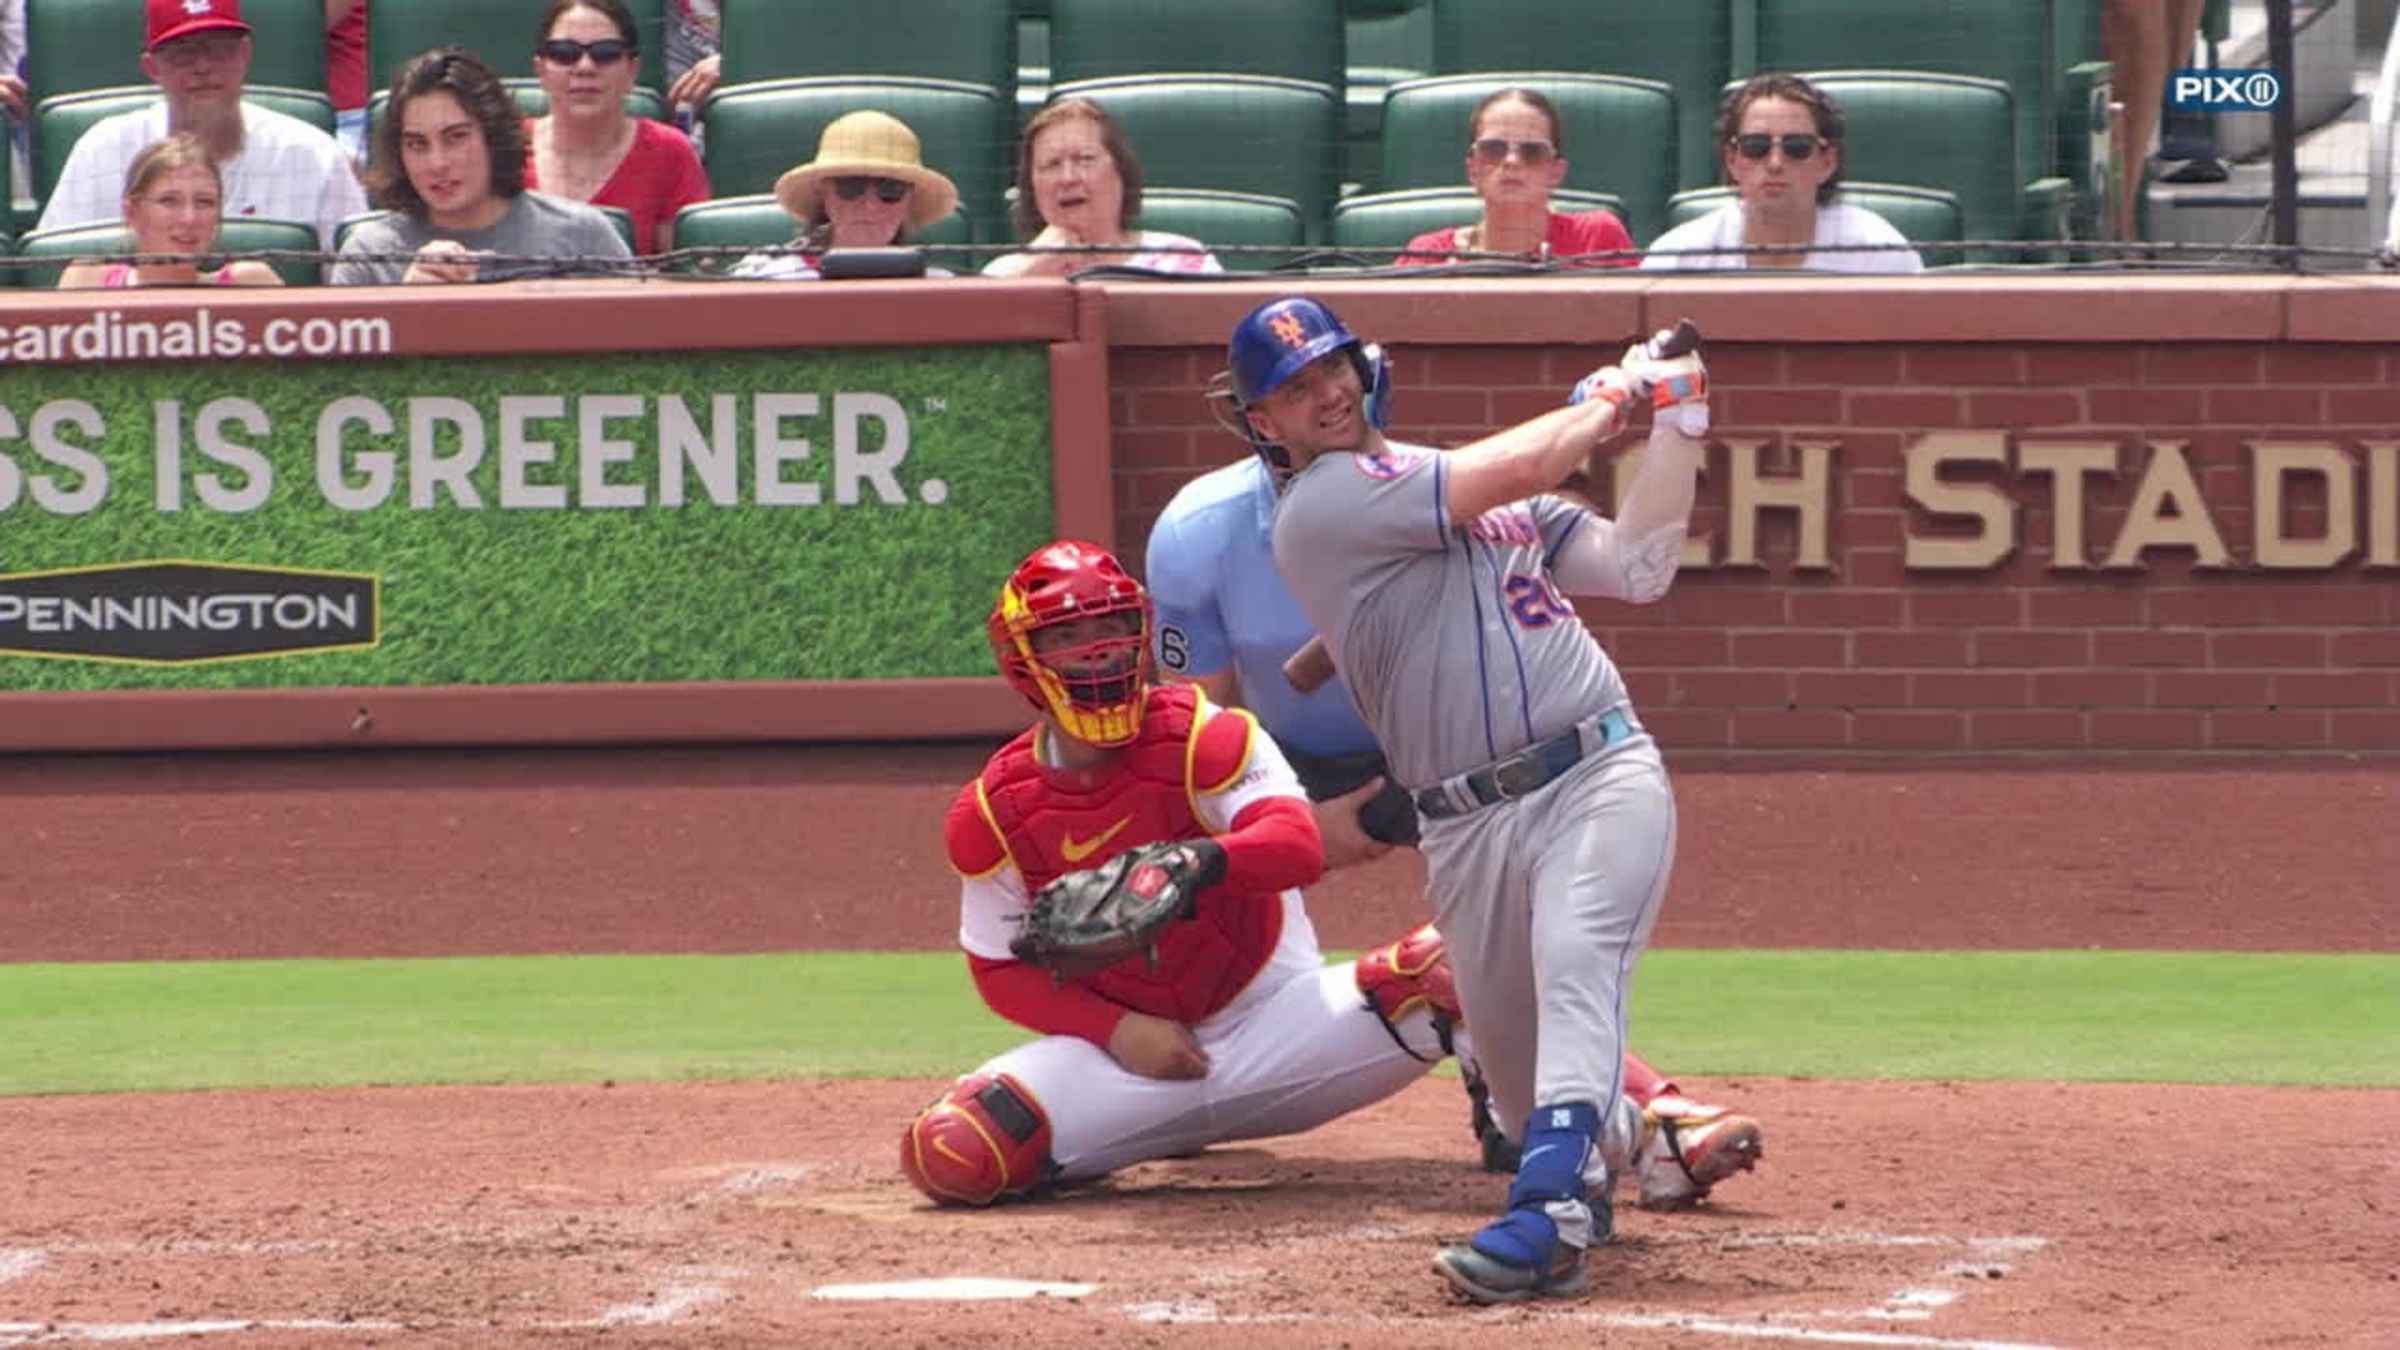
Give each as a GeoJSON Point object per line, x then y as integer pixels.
{"type": "Point", "coordinates": [2155, 1017]}
{"type": "Point", "coordinates": [491, 595]}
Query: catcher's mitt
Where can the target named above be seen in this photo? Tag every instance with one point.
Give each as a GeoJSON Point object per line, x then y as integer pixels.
{"type": "Point", "coordinates": [1088, 920]}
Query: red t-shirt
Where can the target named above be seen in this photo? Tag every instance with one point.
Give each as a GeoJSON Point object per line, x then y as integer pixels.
{"type": "Point", "coordinates": [658, 177]}
{"type": "Point", "coordinates": [346, 60]}
{"type": "Point", "coordinates": [1568, 235]}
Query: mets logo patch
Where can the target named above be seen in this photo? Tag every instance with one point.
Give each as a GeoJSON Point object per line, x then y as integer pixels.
{"type": "Point", "coordinates": [1289, 328]}
{"type": "Point", "coordinates": [1388, 463]}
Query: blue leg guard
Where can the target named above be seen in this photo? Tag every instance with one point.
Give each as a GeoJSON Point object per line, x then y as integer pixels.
{"type": "Point", "coordinates": [1558, 1146]}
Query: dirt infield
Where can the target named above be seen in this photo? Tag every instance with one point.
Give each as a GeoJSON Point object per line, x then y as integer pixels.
{"type": "Point", "coordinates": [1932, 1214]}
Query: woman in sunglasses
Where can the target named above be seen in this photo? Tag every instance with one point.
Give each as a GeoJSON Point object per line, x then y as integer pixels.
{"type": "Point", "coordinates": [449, 172]}
{"type": "Point", "coordinates": [1515, 156]}
{"type": "Point", "coordinates": [868, 187]}
{"type": "Point", "coordinates": [587, 148]}
{"type": "Point", "coordinates": [1780, 138]}
{"type": "Point", "coordinates": [1079, 185]}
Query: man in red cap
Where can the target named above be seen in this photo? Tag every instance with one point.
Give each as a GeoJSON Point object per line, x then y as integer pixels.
{"type": "Point", "coordinates": [273, 166]}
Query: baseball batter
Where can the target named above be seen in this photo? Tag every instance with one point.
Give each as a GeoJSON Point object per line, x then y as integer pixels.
{"type": "Point", "coordinates": [1227, 623]}
{"type": "Point", "coordinates": [1233, 1027]}
{"type": "Point", "coordinates": [1439, 582]}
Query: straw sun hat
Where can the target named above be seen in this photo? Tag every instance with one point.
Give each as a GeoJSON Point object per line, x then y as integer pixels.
{"type": "Point", "coordinates": [872, 145]}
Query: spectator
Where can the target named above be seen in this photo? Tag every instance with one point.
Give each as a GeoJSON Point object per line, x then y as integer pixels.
{"type": "Point", "coordinates": [173, 204]}
{"type": "Point", "coordinates": [12, 58]}
{"type": "Point", "coordinates": [868, 187]}
{"type": "Point", "coordinates": [1078, 183]}
{"type": "Point", "coordinates": [346, 72]}
{"type": "Point", "coordinates": [587, 148]}
{"type": "Point", "coordinates": [694, 27]}
{"type": "Point", "coordinates": [2145, 40]}
{"type": "Point", "coordinates": [450, 172]}
{"type": "Point", "coordinates": [273, 166]}
{"type": "Point", "coordinates": [1516, 155]}
{"type": "Point", "coordinates": [1780, 139]}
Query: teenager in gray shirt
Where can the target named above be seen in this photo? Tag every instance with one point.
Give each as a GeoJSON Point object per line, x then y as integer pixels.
{"type": "Point", "coordinates": [450, 170]}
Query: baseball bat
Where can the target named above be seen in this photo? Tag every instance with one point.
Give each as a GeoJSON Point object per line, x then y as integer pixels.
{"type": "Point", "coordinates": [1309, 668]}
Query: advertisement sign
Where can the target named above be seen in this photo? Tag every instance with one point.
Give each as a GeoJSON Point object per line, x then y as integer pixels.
{"type": "Point", "coordinates": [630, 517]}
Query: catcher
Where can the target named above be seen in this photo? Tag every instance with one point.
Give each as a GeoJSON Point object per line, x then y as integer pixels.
{"type": "Point", "coordinates": [1131, 866]}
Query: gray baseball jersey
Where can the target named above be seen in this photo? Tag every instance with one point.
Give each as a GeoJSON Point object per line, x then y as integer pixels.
{"type": "Point", "coordinates": [1456, 643]}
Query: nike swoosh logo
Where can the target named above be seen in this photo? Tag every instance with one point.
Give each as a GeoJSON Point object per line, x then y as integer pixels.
{"type": "Point", "coordinates": [1546, 1148]}
{"type": "Point", "coordinates": [1078, 850]}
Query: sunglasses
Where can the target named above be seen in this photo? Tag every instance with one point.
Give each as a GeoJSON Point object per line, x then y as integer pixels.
{"type": "Point", "coordinates": [886, 189]}
{"type": "Point", "coordinates": [567, 51]}
{"type": "Point", "coordinates": [1797, 146]}
{"type": "Point", "coordinates": [1494, 150]}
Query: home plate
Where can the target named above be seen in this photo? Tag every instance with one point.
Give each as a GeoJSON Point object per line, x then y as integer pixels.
{"type": "Point", "coordinates": [956, 1288]}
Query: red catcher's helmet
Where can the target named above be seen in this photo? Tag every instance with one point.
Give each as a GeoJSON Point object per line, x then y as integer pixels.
{"type": "Point", "coordinates": [1094, 685]}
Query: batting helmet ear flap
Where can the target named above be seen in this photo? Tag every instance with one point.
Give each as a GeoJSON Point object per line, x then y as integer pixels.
{"type": "Point", "coordinates": [1375, 376]}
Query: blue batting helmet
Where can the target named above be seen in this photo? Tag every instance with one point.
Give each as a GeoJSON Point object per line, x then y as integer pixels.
{"type": "Point", "coordinates": [1274, 341]}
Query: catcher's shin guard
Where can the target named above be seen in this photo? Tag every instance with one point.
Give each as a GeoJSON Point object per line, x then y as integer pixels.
{"type": "Point", "coordinates": [1400, 978]}
{"type": "Point", "coordinates": [985, 1138]}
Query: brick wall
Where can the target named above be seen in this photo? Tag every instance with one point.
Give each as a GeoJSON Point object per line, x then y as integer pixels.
{"type": "Point", "coordinates": [1906, 638]}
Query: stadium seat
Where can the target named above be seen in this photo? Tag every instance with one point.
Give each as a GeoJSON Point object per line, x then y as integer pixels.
{"type": "Point", "coordinates": [1290, 39]}
{"type": "Point", "coordinates": [1219, 219]}
{"type": "Point", "coordinates": [1619, 135]}
{"type": "Point", "coordinates": [502, 34]}
{"type": "Point", "coordinates": [1388, 43]}
{"type": "Point", "coordinates": [60, 122]}
{"type": "Point", "coordinates": [1955, 132]}
{"type": "Point", "coordinates": [1382, 221]}
{"type": "Point", "coordinates": [757, 131]}
{"type": "Point", "coordinates": [237, 235]}
{"type": "Point", "coordinates": [1923, 215]}
{"type": "Point", "coordinates": [757, 221]}
{"type": "Point", "coordinates": [2012, 44]}
{"type": "Point", "coordinates": [1689, 47]}
{"type": "Point", "coordinates": [1234, 133]}
{"type": "Point", "coordinates": [970, 40]}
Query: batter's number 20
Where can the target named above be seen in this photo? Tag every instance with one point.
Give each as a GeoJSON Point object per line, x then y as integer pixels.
{"type": "Point", "coordinates": [1535, 600]}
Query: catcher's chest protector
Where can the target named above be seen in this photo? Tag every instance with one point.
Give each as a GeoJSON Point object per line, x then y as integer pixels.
{"type": "Point", "coordinates": [1054, 822]}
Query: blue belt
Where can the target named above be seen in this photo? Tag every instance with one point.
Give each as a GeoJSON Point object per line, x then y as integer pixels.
{"type": "Point", "coordinates": [1526, 772]}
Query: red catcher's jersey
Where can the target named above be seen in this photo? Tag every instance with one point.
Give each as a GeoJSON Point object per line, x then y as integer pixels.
{"type": "Point", "coordinates": [1047, 822]}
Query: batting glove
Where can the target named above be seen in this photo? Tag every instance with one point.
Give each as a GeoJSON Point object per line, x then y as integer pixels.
{"type": "Point", "coordinates": [1612, 386]}
{"type": "Point", "coordinates": [1679, 383]}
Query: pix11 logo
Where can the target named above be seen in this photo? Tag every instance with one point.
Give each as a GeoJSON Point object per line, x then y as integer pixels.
{"type": "Point", "coordinates": [2224, 90]}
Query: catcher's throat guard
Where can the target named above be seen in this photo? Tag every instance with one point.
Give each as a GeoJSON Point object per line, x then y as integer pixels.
{"type": "Point", "coordinates": [1071, 632]}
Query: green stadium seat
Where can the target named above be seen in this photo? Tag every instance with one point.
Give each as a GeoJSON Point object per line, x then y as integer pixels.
{"type": "Point", "coordinates": [239, 235]}
{"type": "Point", "coordinates": [2012, 44]}
{"type": "Point", "coordinates": [757, 131]}
{"type": "Point", "coordinates": [1954, 132]}
{"type": "Point", "coordinates": [1288, 39]}
{"type": "Point", "coordinates": [62, 121]}
{"type": "Point", "coordinates": [503, 34]}
{"type": "Point", "coordinates": [1233, 133]}
{"type": "Point", "coordinates": [97, 44]}
{"type": "Point", "coordinates": [1688, 47]}
{"type": "Point", "coordinates": [1382, 221]}
{"type": "Point", "coordinates": [1924, 215]}
{"type": "Point", "coordinates": [757, 221]}
{"type": "Point", "coordinates": [1388, 43]}
{"type": "Point", "coordinates": [1219, 219]}
{"type": "Point", "coordinates": [970, 40]}
{"type": "Point", "coordinates": [1619, 134]}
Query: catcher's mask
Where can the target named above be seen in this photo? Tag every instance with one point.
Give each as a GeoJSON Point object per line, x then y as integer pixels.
{"type": "Point", "coordinates": [1072, 634]}
{"type": "Point", "coordinates": [1276, 341]}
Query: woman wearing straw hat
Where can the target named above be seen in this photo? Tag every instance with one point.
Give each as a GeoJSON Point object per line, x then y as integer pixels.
{"type": "Point", "coordinates": [868, 187]}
